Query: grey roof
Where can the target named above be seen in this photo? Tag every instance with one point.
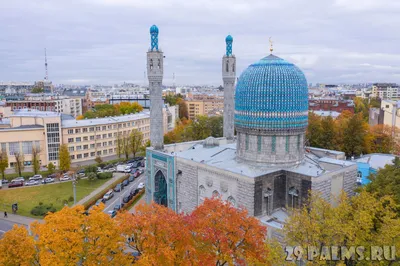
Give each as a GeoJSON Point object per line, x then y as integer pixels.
{"type": "Point", "coordinates": [75, 92]}
{"type": "Point", "coordinates": [224, 157]}
{"type": "Point", "coordinates": [104, 121]}
{"type": "Point", "coordinates": [377, 160]}
{"type": "Point", "coordinates": [24, 127]}
{"type": "Point", "coordinates": [34, 113]}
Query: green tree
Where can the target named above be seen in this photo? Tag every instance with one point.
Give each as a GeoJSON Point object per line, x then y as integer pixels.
{"type": "Point", "coordinates": [200, 128]}
{"type": "Point", "coordinates": [136, 141]}
{"type": "Point", "coordinates": [19, 163]}
{"type": "Point", "coordinates": [36, 159]}
{"type": "Point", "coordinates": [51, 168]}
{"type": "Point", "coordinates": [65, 158]}
{"type": "Point", "coordinates": [92, 176]}
{"type": "Point", "coordinates": [314, 130]}
{"type": "Point", "coordinates": [126, 145]}
{"type": "Point", "coordinates": [216, 124]}
{"type": "Point", "coordinates": [386, 181]}
{"type": "Point", "coordinates": [3, 163]}
{"type": "Point", "coordinates": [37, 90]}
{"type": "Point", "coordinates": [327, 139]}
{"type": "Point", "coordinates": [120, 145]}
{"type": "Point", "coordinates": [355, 136]}
{"type": "Point", "coordinates": [90, 169]}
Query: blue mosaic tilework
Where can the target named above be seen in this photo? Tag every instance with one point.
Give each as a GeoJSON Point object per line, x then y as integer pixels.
{"type": "Point", "coordinates": [154, 37]}
{"type": "Point", "coordinates": [272, 94]}
{"type": "Point", "coordinates": [228, 41]}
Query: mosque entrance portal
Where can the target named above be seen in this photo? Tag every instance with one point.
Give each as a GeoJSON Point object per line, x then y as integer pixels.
{"type": "Point", "coordinates": [160, 189]}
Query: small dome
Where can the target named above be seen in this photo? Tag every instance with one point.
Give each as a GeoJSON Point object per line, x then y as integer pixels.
{"type": "Point", "coordinates": [229, 38]}
{"type": "Point", "coordinates": [272, 95]}
{"type": "Point", "coordinates": [154, 29]}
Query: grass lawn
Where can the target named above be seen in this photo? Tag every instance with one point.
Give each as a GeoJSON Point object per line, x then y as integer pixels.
{"type": "Point", "coordinates": [29, 197]}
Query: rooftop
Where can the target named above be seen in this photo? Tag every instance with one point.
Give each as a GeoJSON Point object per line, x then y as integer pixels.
{"type": "Point", "coordinates": [106, 120]}
{"type": "Point", "coordinates": [34, 113]}
{"type": "Point", "coordinates": [377, 160]}
{"type": "Point", "coordinates": [223, 156]}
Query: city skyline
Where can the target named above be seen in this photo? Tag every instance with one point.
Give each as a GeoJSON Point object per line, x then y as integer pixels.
{"type": "Point", "coordinates": [103, 42]}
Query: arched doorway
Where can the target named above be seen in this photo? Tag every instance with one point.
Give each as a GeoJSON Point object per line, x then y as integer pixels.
{"type": "Point", "coordinates": [160, 189]}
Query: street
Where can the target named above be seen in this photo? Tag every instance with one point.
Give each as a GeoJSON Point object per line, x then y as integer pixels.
{"type": "Point", "coordinates": [5, 226]}
{"type": "Point", "coordinates": [118, 196]}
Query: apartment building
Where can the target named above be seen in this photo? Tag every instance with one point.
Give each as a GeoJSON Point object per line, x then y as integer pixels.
{"type": "Point", "coordinates": [48, 102]}
{"type": "Point", "coordinates": [85, 139]}
{"type": "Point", "coordinates": [385, 90]}
{"type": "Point", "coordinates": [204, 107]}
{"type": "Point", "coordinates": [331, 104]}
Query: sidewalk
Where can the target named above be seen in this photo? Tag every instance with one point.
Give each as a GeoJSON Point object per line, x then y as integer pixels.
{"type": "Point", "coordinates": [18, 219]}
{"type": "Point", "coordinates": [99, 189]}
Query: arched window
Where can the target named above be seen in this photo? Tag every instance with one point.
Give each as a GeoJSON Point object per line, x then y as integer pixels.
{"type": "Point", "coordinates": [159, 64]}
{"type": "Point", "coordinates": [151, 63]}
{"type": "Point", "coordinates": [227, 66]}
{"type": "Point", "coordinates": [294, 197]}
{"type": "Point", "coordinates": [232, 201]}
{"type": "Point", "coordinates": [233, 67]}
{"type": "Point", "coordinates": [215, 194]}
{"type": "Point", "coordinates": [202, 192]}
{"type": "Point", "coordinates": [268, 201]}
{"type": "Point", "coordinates": [359, 177]}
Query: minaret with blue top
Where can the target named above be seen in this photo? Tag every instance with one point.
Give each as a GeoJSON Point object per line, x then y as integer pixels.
{"type": "Point", "coordinates": [155, 71]}
{"type": "Point", "coordinates": [229, 77]}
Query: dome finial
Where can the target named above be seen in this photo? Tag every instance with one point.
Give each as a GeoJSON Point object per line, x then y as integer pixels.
{"type": "Point", "coordinates": [271, 45]}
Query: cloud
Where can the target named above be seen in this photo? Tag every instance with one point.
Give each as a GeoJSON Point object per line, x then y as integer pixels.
{"type": "Point", "coordinates": [105, 41]}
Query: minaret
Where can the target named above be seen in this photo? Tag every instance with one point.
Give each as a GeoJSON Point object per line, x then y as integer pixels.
{"type": "Point", "coordinates": [229, 77]}
{"type": "Point", "coordinates": [155, 75]}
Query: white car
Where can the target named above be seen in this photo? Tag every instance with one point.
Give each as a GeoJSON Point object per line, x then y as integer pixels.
{"type": "Point", "coordinates": [18, 179]}
{"type": "Point", "coordinates": [110, 170]}
{"type": "Point", "coordinates": [36, 177]}
{"type": "Point", "coordinates": [81, 174]}
{"type": "Point", "coordinates": [48, 180]}
{"type": "Point", "coordinates": [108, 195]}
{"type": "Point", "coordinates": [140, 186]}
{"type": "Point", "coordinates": [31, 183]}
{"type": "Point", "coordinates": [65, 178]}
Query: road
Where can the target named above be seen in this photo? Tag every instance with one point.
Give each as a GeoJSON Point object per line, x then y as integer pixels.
{"type": "Point", "coordinates": [118, 196]}
{"type": "Point", "coordinates": [5, 226]}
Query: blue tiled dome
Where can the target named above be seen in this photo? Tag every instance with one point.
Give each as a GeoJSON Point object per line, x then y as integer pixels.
{"type": "Point", "coordinates": [154, 29]}
{"type": "Point", "coordinates": [272, 95]}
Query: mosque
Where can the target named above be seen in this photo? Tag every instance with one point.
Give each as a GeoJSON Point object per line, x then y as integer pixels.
{"type": "Point", "coordinates": [266, 167]}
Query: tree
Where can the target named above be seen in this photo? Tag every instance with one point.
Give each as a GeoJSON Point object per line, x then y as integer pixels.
{"type": "Point", "coordinates": [120, 145]}
{"type": "Point", "coordinates": [136, 141]}
{"type": "Point", "coordinates": [128, 108]}
{"type": "Point", "coordinates": [92, 176]}
{"type": "Point", "coordinates": [314, 130]}
{"type": "Point", "coordinates": [80, 117]}
{"type": "Point", "coordinates": [200, 128]}
{"type": "Point", "coordinates": [69, 237]}
{"type": "Point", "coordinates": [126, 145]}
{"type": "Point", "coordinates": [19, 163]}
{"type": "Point", "coordinates": [225, 235]}
{"type": "Point", "coordinates": [65, 158]}
{"type": "Point", "coordinates": [183, 109]}
{"type": "Point", "coordinates": [158, 234]}
{"type": "Point", "coordinates": [3, 163]}
{"type": "Point", "coordinates": [356, 136]}
{"type": "Point", "coordinates": [98, 160]}
{"type": "Point", "coordinates": [37, 90]}
{"type": "Point", "coordinates": [51, 168]}
{"type": "Point", "coordinates": [17, 247]}
{"type": "Point", "coordinates": [386, 181]}
{"type": "Point", "coordinates": [35, 159]}
{"type": "Point", "coordinates": [383, 140]}
{"type": "Point", "coordinates": [327, 140]}
{"type": "Point", "coordinates": [90, 169]}
{"type": "Point", "coordinates": [362, 220]}
{"type": "Point", "coordinates": [216, 124]}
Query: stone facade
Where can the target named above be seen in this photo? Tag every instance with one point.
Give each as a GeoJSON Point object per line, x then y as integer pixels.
{"type": "Point", "coordinates": [229, 77]}
{"type": "Point", "coordinates": [155, 73]}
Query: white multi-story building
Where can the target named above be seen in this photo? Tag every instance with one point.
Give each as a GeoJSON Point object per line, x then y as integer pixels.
{"type": "Point", "coordinates": [385, 90]}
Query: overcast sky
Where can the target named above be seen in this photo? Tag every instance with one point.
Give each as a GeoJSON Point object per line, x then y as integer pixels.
{"type": "Point", "coordinates": [105, 41]}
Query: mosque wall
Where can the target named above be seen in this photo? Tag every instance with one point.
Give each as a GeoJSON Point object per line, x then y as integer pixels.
{"type": "Point", "coordinates": [187, 185]}
{"type": "Point", "coordinates": [273, 149]}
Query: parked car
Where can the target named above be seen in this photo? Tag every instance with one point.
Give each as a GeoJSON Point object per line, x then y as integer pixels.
{"type": "Point", "coordinates": [81, 174]}
{"type": "Point", "coordinates": [125, 182]}
{"type": "Point", "coordinates": [16, 183]}
{"type": "Point", "coordinates": [134, 191]}
{"type": "Point", "coordinates": [127, 169]}
{"type": "Point", "coordinates": [138, 158]}
{"type": "Point", "coordinates": [98, 202]}
{"type": "Point", "coordinates": [142, 164]}
{"type": "Point", "coordinates": [118, 188]}
{"type": "Point", "coordinates": [4, 181]}
{"type": "Point", "coordinates": [65, 178]}
{"type": "Point", "coordinates": [112, 213]}
{"type": "Point", "coordinates": [108, 166]}
{"type": "Point", "coordinates": [127, 198]}
{"type": "Point", "coordinates": [131, 178]}
{"type": "Point", "coordinates": [108, 195]}
{"type": "Point", "coordinates": [48, 180]}
{"type": "Point", "coordinates": [32, 183]}
{"type": "Point", "coordinates": [140, 186]}
{"type": "Point", "coordinates": [81, 171]}
{"type": "Point", "coordinates": [18, 179]}
{"type": "Point", "coordinates": [52, 176]}
{"type": "Point", "coordinates": [129, 164]}
{"type": "Point", "coordinates": [110, 170]}
{"type": "Point", "coordinates": [136, 174]}
{"type": "Point", "coordinates": [36, 177]}
{"type": "Point", "coordinates": [118, 207]}
{"type": "Point", "coordinates": [121, 168]}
